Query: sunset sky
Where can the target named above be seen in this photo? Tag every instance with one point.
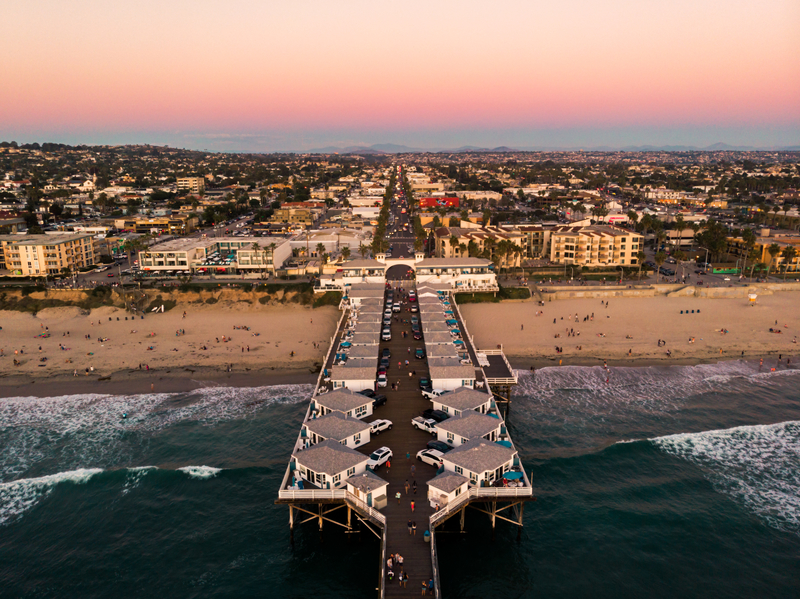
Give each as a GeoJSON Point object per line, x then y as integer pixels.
{"type": "Point", "coordinates": [272, 75]}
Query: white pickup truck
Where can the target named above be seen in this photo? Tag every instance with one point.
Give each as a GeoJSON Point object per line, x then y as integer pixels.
{"type": "Point", "coordinates": [425, 424]}
{"type": "Point", "coordinates": [433, 393]}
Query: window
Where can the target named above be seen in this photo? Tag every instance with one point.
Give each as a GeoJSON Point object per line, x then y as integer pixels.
{"type": "Point", "coordinates": [450, 437]}
{"type": "Point", "coordinates": [458, 491]}
{"type": "Point", "coordinates": [473, 478]}
{"type": "Point", "coordinates": [357, 437]}
{"type": "Point", "coordinates": [351, 471]}
{"type": "Point", "coordinates": [459, 470]}
{"type": "Point", "coordinates": [337, 478]}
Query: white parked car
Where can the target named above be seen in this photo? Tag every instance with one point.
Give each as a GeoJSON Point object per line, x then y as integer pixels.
{"type": "Point", "coordinates": [386, 335]}
{"type": "Point", "coordinates": [379, 457]}
{"type": "Point", "coordinates": [430, 456]}
{"type": "Point", "coordinates": [433, 393]}
{"type": "Point", "coordinates": [376, 427]}
{"type": "Point", "coordinates": [382, 380]}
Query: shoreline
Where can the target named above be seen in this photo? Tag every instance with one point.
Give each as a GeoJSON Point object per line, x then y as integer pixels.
{"type": "Point", "coordinates": [525, 363]}
{"type": "Point", "coordinates": [135, 382]}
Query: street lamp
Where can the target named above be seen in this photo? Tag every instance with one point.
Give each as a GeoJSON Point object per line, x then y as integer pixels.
{"type": "Point", "coordinates": [706, 262]}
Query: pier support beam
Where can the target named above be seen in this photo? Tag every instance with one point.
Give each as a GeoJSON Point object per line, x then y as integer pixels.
{"type": "Point", "coordinates": [463, 514]}
{"type": "Point", "coordinates": [519, 530]}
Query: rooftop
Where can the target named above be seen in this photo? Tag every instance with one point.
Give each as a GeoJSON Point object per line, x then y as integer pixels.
{"type": "Point", "coordinates": [330, 457]}
{"type": "Point", "coordinates": [464, 398]}
{"type": "Point", "coordinates": [480, 455]}
{"type": "Point", "coordinates": [342, 400]}
{"type": "Point", "coordinates": [447, 482]}
{"type": "Point", "coordinates": [470, 424]}
{"type": "Point", "coordinates": [336, 426]}
{"type": "Point", "coordinates": [367, 482]}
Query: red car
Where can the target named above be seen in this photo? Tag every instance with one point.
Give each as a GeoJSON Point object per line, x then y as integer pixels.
{"type": "Point", "coordinates": [111, 274]}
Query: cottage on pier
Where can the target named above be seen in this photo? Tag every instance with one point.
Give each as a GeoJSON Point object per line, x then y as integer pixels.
{"type": "Point", "coordinates": [328, 464]}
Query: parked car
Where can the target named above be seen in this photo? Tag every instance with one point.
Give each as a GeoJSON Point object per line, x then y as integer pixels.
{"type": "Point", "coordinates": [396, 308]}
{"type": "Point", "coordinates": [419, 353]}
{"type": "Point", "coordinates": [386, 334]}
{"type": "Point", "coordinates": [430, 456]}
{"type": "Point", "coordinates": [417, 335]}
{"type": "Point", "coordinates": [367, 392]}
{"type": "Point", "coordinates": [378, 400]}
{"type": "Point", "coordinates": [424, 424]}
{"type": "Point", "coordinates": [436, 415]}
{"type": "Point", "coordinates": [433, 393]}
{"type": "Point", "coordinates": [414, 307]}
{"type": "Point", "coordinates": [382, 381]}
{"type": "Point", "coordinates": [378, 426]}
{"type": "Point", "coordinates": [424, 382]}
{"type": "Point", "coordinates": [379, 457]}
{"type": "Point", "coordinates": [438, 446]}
{"type": "Point", "coordinates": [386, 353]}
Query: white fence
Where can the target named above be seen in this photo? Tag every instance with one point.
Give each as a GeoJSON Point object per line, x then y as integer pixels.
{"type": "Point", "coordinates": [311, 494]}
{"type": "Point", "coordinates": [479, 492]}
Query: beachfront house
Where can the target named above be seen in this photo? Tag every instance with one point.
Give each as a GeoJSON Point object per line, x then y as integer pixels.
{"type": "Point", "coordinates": [462, 400]}
{"type": "Point", "coordinates": [469, 425]}
{"type": "Point", "coordinates": [347, 430]}
{"type": "Point", "coordinates": [328, 464]}
{"type": "Point", "coordinates": [344, 401]}
{"type": "Point", "coordinates": [481, 461]}
{"type": "Point", "coordinates": [369, 488]}
{"type": "Point", "coordinates": [452, 376]}
{"type": "Point", "coordinates": [445, 487]}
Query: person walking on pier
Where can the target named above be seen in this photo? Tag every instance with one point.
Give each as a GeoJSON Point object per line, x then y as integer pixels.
{"type": "Point", "coordinates": [397, 496]}
{"type": "Point", "coordinates": [407, 487]}
{"type": "Point", "coordinates": [414, 528]}
{"type": "Point", "coordinates": [409, 528]}
{"type": "Point", "coordinates": [412, 506]}
{"type": "Point", "coordinates": [413, 470]}
{"type": "Point", "coordinates": [414, 486]}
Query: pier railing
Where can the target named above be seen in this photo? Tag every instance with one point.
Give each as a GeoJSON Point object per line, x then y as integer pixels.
{"type": "Point", "coordinates": [437, 589]}
{"type": "Point", "coordinates": [312, 494]}
{"type": "Point", "coordinates": [371, 513]}
{"type": "Point", "coordinates": [479, 493]}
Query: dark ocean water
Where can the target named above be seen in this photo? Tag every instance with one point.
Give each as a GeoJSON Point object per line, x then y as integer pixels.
{"type": "Point", "coordinates": [663, 482]}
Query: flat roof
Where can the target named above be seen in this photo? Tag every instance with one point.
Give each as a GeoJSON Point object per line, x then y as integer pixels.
{"type": "Point", "coordinates": [452, 262]}
{"type": "Point", "coordinates": [44, 239]}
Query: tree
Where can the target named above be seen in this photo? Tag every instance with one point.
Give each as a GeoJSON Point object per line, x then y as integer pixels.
{"type": "Point", "coordinates": [320, 249]}
{"type": "Point", "coordinates": [640, 256]}
{"type": "Point", "coordinates": [774, 249]}
{"type": "Point", "coordinates": [453, 241]}
{"type": "Point", "coordinates": [472, 249]}
{"type": "Point", "coordinates": [454, 221]}
{"type": "Point", "coordinates": [633, 217]}
{"type": "Point", "coordinates": [346, 252]}
{"type": "Point", "coordinates": [362, 249]}
{"type": "Point", "coordinates": [659, 259]}
{"type": "Point", "coordinates": [752, 255]}
{"type": "Point", "coordinates": [462, 249]}
{"type": "Point", "coordinates": [487, 218]}
{"type": "Point", "coordinates": [789, 254]}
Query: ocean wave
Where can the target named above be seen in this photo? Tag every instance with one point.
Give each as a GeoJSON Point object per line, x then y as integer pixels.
{"type": "Point", "coordinates": [758, 466]}
{"type": "Point", "coordinates": [16, 497]}
{"type": "Point", "coordinates": [135, 476]}
{"type": "Point", "coordinates": [90, 428]}
{"type": "Point", "coordinates": [201, 472]}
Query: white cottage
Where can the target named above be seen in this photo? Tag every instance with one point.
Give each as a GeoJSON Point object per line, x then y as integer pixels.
{"type": "Point", "coordinates": [467, 426]}
{"type": "Point", "coordinates": [481, 461]}
{"type": "Point", "coordinates": [347, 430]}
{"type": "Point", "coordinates": [327, 465]}
{"type": "Point", "coordinates": [444, 488]}
{"type": "Point", "coordinates": [344, 401]}
{"type": "Point", "coordinates": [369, 488]}
{"type": "Point", "coordinates": [461, 400]}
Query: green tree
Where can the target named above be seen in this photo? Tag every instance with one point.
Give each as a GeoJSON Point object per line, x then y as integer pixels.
{"type": "Point", "coordinates": [346, 252]}
{"type": "Point", "coordinates": [640, 256]}
{"type": "Point", "coordinates": [774, 249]}
{"type": "Point", "coordinates": [789, 254]}
{"type": "Point", "coordinates": [659, 259]}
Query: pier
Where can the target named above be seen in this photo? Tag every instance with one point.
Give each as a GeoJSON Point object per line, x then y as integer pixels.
{"type": "Point", "coordinates": [327, 480]}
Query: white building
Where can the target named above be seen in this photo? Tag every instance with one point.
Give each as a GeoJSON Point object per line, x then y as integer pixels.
{"type": "Point", "coordinates": [461, 400]}
{"type": "Point", "coordinates": [467, 426]}
{"type": "Point", "coordinates": [481, 461]}
{"type": "Point", "coordinates": [337, 426]}
{"type": "Point", "coordinates": [344, 401]}
{"type": "Point", "coordinates": [328, 464]}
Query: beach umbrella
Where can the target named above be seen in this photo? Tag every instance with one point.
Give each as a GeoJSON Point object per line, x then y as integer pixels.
{"type": "Point", "coordinates": [448, 311]}
{"type": "Point", "coordinates": [455, 331]}
{"type": "Point", "coordinates": [458, 342]}
{"type": "Point", "coordinates": [346, 344]}
{"type": "Point", "coordinates": [452, 322]}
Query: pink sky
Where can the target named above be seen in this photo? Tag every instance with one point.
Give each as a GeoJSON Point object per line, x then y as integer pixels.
{"type": "Point", "coordinates": [108, 67]}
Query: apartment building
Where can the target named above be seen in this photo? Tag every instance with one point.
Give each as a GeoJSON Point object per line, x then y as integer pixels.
{"type": "Point", "coordinates": [294, 216]}
{"type": "Point", "coordinates": [594, 245]}
{"type": "Point", "coordinates": [191, 184]}
{"type": "Point", "coordinates": [457, 242]}
{"type": "Point", "coordinates": [39, 255]}
{"type": "Point", "coordinates": [764, 239]}
{"type": "Point", "coordinates": [221, 255]}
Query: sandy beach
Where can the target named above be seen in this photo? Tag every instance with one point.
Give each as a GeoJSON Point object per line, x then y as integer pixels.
{"type": "Point", "coordinates": [628, 330]}
{"type": "Point", "coordinates": [59, 349]}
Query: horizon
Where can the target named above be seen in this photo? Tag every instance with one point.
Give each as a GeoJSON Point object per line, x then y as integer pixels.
{"type": "Point", "coordinates": [288, 78]}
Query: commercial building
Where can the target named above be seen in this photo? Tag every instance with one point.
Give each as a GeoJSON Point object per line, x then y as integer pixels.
{"type": "Point", "coordinates": [40, 255]}
{"type": "Point", "coordinates": [438, 202]}
{"type": "Point", "coordinates": [765, 239]}
{"type": "Point", "coordinates": [174, 224]}
{"type": "Point", "coordinates": [221, 255]}
{"type": "Point", "coordinates": [595, 245]}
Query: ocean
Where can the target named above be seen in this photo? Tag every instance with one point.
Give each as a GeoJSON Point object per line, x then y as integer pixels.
{"type": "Point", "coordinates": [662, 482]}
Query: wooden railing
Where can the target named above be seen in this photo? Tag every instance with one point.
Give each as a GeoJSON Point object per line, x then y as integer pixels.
{"type": "Point", "coordinates": [479, 492]}
{"type": "Point", "coordinates": [360, 505]}
{"type": "Point", "coordinates": [437, 589]}
{"type": "Point", "coordinates": [312, 494]}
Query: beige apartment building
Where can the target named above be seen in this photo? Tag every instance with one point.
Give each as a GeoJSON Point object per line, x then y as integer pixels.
{"type": "Point", "coordinates": [483, 239]}
{"type": "Point", "coordinates": [176, 224]}
{"type": "Point", "coordinates": [595, 245]}
{"type": "Point", "coordinates": [40, 255]}
{"type": "Point", "coordinates": [191, 184]}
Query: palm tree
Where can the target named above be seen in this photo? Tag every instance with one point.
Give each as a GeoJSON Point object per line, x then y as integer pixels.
{"type": "Point", "coordinates": [453, 244]}
{"type": "Point", "coordinates": [362, 249]}
{"type": "Point", "coordinates": [640, 256]}
{"type": "Point", "coordinates": [462, 249]}
{"type": "Point", "coordinates": [346, 252]}
{"type": "Point", "coordinates": [773, 250]}
{"type": "Point", "coordinates": [632, 217]}
{"type": "Point", "coordinates": [789, 254]}
{"type": "Point", "coordinates": [320, 249]}
{"type": "Point", "coordinates": [272, 247]}
{"type": "Point", "coordinates": [472, 249]}
{"type": "Point", "coordinates": [752, 255]}
{"type": "Point", "coordinates": [659, 259]}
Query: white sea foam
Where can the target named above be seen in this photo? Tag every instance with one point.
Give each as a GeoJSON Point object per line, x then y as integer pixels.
{"type": "Point", "coordinates": [135, 476]}
{"type": "Point", "coordinates": [201, 472]}
{"type": "Point", "coordinates": [18, 496]}
{"type": "Point", "coordinates": [758, 466]}
{"type": "Point", "coordinates": [89, 429]}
